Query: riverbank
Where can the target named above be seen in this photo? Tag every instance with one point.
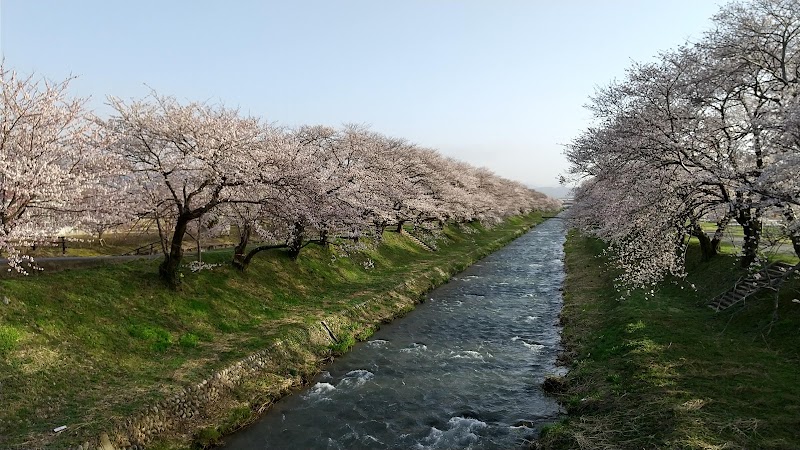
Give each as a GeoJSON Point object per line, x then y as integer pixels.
{"type": "Point", "coordinates": [463, 370]}
{"type": "Point", "coordinates": [109, 350]}
{"type": "Point", "coordinates": [668, 372]}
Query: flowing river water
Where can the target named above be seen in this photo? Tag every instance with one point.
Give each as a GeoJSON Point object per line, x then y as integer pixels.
{"type": "Point", "coordinates": [463, 370]}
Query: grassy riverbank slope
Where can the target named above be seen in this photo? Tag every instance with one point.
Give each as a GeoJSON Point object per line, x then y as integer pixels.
{"type": "Point", "coordinates": [668, 372]}
{"type": "Point", "coordinates": [98, 349]}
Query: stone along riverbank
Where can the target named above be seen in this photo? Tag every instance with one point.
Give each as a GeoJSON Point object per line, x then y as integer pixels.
{"type": "Point", "coordinates": [463, 370]}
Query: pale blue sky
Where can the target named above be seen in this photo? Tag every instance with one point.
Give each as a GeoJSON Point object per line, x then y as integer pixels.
{"type": "Point", "coordinates": [496, 83]}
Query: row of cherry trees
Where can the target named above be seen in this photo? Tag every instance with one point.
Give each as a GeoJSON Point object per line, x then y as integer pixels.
{"type": "Point", "coordinates": [709, 131]}
{"type": "Point", "coordinates": [187, 166]}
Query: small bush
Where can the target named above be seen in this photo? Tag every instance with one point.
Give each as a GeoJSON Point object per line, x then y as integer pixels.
{"type": "Point", "coordinates": [554, 385]}
{"type": "Point", "coordinates": [556, 435]}
{"type": "Point", "coordinates": [207, 437]}
{"type": "Point", "coordinates": [188, 340]}
{"type": "Point", "coordinates": [345, 343]}
{"type": "Point", "coordinates": [158, 338]}
{"type": "Point", "coordinates": [236, 418]}
{"type": "Point", "coordinates": [9, 337]}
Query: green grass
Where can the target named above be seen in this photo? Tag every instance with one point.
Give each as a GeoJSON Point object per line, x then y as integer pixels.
{"type": "Point", "coordinates": [9, 336]}
{"type": "Point", "coordinates": [113, 243]}
{"type": "Point", "coordinates": [668, 372]}
{"type": "Point", "coordinates": [735, 231]}
{"type": "Point", "coordinates": [87, 348]}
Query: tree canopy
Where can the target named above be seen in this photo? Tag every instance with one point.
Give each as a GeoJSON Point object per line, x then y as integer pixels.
{"type": "Point", "coordinates": [706, 132]}
{"type": "Point", "coordinates": [189, 165]}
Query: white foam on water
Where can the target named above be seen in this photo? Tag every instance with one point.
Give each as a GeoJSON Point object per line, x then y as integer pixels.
{"type": "Point", "coordinates": [380, 343]}
{"type": "Point", "coordinates": [414, 348]}
{"type": "Point", "coordinates": [531, 319]}
{"type": "Point", "coordinates": [433, 437]}
{"type": "Point", "coordinates": [319, 390]}
{"type": "Point", "coordinates": [356, 378]}
{"type": "Point", "coordinates": [460, 433]}
{"type": "Point", "coordinates": [468, 354]}
{"type": "Point", "coordinates": [534, 347]}
{"type": "Point", "coordinates": [367, 439]}
{"type": "Point", "coordinates": [370, 439]}
{"type": "Point", "coordinates": [531, 345]}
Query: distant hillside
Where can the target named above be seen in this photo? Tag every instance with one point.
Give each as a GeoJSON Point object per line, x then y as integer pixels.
{"type": "Point", "coordinates": [554, 191]}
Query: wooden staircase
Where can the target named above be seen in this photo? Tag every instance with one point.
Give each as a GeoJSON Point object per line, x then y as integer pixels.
{"type": "Point", "coordinates": [770, 277]}
{"type": "Point", "coordinates": [417, 240]}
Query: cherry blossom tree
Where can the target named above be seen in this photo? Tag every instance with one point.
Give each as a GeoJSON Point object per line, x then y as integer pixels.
{"type": "Point", "coordinates": [384, 168]}
{"type": "Point", "coordinates": [705, 132]}
{"type": "Point", "coordinates": [754, 57]}
{"type": "Point", "coordinates": [317, 182]}
{"type": "Point", "coordinates": [50, 162]}
{"type": "Point", "coordinates": [269, 207]}
{"type": "Point", "coordinates": [185, 159]}
{"type": "Point", "coordinates": [110, 202]}
{"type": "Point", "coordinates": [781, 181]}
{"type": "Point", "coordinates": [190, 168]}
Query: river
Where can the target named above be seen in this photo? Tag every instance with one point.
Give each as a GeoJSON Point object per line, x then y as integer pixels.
{"type": "Point", "coordinates": [463, 370]}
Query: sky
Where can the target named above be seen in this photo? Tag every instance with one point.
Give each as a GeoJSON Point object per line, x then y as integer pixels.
{"type": "Point", "coordinates": [495, 83]}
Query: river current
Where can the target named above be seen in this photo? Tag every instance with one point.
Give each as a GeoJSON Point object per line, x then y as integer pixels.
{"type": "Point", "coordinates": [463, 370]}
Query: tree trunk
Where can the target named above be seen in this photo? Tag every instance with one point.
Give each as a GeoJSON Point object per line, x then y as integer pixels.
{"type": "Point", "coordinates": [794, 235]}
{"type": "Point", "coordinates": [752, 236]}
{"type": "Point", "coordinates": [750, 220]}
{"type": "Point", "coordinates": [246, 260]}
{"type": "Point", "coordinates": [707, 247]}
{"type": "Point", "coordinates": [722, 225]}
{"type": "Point", "coordinates": [380, 227]}
{"type": "Point", "coordinates": [400, 225]}
{"type": "Point", "coordinates": [168, 270]}
{"type": "Point", "coordinates": [296, 240]}
{"type": "Point", "coordinates": [238, 251]}
{"type": "Point", "coordinates": [197, 240]}
{"type": "Point", "coordinates": [323, 237]}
